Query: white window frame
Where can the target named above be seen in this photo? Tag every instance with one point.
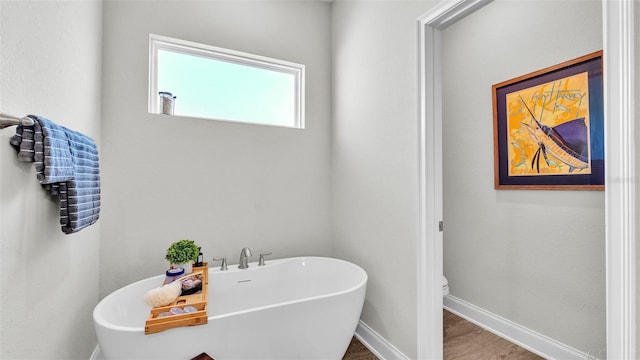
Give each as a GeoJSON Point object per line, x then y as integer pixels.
{"type": "Point", "coordinates": [159, 42]}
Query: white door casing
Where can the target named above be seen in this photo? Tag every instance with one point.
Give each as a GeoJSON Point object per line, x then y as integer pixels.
{"type": "Point", "coordinates": [618, 39]}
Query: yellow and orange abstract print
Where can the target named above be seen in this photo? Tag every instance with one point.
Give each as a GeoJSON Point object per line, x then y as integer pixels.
{"type": "Point", "coordinates": [551, 104]}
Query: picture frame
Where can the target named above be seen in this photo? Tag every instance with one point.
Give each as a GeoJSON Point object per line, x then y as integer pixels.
{"type": "Point", "coordinates": [548, 128]}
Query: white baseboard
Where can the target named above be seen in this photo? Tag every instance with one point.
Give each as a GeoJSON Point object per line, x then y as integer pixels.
{"type": "Point", "coordinates": [517, 334]}
{"type": "Point", "coordinates": [378, 345]}
{"type": "Point", "coordinates": [96, 355]}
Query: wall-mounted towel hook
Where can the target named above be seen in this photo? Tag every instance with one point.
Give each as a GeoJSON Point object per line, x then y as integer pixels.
{"type": "Point", "coordinates": [10, 120]}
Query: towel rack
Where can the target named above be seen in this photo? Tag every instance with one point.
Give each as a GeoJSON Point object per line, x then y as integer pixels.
{"type": "Point", "coordinates": [10, 120]}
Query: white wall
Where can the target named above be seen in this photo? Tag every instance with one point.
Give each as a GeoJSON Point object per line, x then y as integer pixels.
{"type": "Point", "coordinates": [224, 185]}
{"type": "Point", "coordinates": [148, 202]}
{"type": "Point", "coordinates": [534, 257]}
{"type": "Point", "coordinates": [49, 65]}
{"type": "Point", "coordinates": [637, 144]}
{"type": "Point", "coordinates": [375, 157]}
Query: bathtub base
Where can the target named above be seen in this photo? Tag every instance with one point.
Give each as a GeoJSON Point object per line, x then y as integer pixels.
{"type": "Point", "coordinates": [312, 315]}
{"type": "Point", "coordinates": [290, 332]}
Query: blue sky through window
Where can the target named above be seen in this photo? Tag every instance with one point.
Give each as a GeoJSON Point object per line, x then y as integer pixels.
{"type": "Point", "coordinates": [211, 88]}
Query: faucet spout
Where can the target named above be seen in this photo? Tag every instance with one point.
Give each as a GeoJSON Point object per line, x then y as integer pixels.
{"type": "Point", "coordinates": [245, 253]}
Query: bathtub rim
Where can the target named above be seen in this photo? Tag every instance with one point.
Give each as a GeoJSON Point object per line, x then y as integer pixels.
{"type": "Point", "coordinates": [100, 321]}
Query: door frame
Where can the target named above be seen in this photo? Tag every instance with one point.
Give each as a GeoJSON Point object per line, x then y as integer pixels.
{"type": "Point", "coordinates": [620, 200]}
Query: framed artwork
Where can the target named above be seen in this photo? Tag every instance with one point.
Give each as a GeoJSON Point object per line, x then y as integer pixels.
{"type": "Point", "coordinates": [548, 128]}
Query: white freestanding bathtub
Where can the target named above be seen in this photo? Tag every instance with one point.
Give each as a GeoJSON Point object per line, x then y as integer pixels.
{"type": "Point", "coordinates": [295, 308]}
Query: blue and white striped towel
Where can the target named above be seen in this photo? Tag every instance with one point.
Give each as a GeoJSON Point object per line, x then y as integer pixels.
{"type": "Point", "coordinates": [67, 165]}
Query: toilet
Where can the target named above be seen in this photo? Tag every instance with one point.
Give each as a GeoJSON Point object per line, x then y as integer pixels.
{"type": "Point", "coordinates": [445, 286]}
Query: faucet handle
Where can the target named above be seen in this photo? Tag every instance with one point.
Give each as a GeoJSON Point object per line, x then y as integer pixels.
{"type": "Point", "coordinates": [223, 265]}
{"type": "Point", "coordinates": [261, 261]}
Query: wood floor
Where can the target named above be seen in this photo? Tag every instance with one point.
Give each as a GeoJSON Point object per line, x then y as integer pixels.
{"type": "Point", "coordinates": [462, 341]}
{"type": "Point", "coordinates": [357, 351]}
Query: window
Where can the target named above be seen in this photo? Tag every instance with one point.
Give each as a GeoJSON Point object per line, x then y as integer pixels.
{"type": "Point", "coordinates": [213, 83]}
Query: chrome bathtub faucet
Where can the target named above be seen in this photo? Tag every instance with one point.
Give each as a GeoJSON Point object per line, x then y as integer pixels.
{"type": "Point", "coordinates": [261, 261]}
{"type": "Point", "coordinates": [223, 265]}
{"type": "Point", "coordinates": [245, 253]}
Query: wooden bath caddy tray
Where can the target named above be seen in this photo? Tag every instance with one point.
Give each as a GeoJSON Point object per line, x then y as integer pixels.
{"type": "Point", "coordinates": [156, 324]}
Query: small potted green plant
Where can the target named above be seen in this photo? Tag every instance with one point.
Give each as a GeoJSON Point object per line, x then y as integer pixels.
{"type": "Point", "coordinates": [183, 253]}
